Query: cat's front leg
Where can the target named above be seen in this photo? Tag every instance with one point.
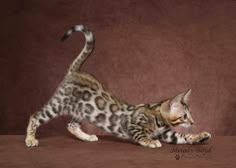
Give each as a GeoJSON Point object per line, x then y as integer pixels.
{"type": "Point", "coordinates": [173, 137]}
{"type": "Point", "coordinates": [197, 138]}
{"type": "Point", "coordinates": [142, 136]}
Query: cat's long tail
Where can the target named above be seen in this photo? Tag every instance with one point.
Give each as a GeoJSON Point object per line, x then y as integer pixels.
{"type": "Point", "coordinates": [86, 51]}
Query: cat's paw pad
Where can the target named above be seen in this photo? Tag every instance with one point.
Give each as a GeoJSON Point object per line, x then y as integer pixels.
{"type": "Point", "coordinates": [92, 138]}
{"type": "Point", "coordinates": [31, 142]}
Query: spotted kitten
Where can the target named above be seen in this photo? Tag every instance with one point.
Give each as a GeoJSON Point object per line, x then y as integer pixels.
{"type": "Point", "coordinates": [81, 96]}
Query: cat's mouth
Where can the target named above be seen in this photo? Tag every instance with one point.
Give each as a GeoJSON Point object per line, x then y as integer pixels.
{"type": "Point", "coordinates": [185, 125]}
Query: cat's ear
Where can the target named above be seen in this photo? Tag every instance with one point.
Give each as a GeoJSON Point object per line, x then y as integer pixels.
{"type": "Point", "coordinates": [186, 96]}
{"type": "Point", "coordinates": [174, 102]}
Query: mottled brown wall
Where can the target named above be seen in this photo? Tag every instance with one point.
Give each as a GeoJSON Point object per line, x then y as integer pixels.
{"type": "Point", "coordinates": [146, 50]}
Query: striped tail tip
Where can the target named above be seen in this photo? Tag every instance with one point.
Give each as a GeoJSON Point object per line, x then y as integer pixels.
{"type": "Point", "coordinates": [68, 33]}
{"type": "Point", "coordinates": [64, 37]}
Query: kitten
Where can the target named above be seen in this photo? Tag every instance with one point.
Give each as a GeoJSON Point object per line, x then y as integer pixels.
{"type": "Point", "coordinates": [81, 96]}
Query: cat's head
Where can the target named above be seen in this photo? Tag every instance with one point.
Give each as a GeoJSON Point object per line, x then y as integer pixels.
{"type": "Point", "coordinates": [176, 110]}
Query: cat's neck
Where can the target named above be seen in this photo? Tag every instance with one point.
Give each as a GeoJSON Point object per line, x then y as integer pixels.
{"type": "Point", "coordinates": [156, 112]}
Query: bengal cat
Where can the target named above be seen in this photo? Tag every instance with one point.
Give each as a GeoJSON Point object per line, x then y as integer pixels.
{"type": "Point", "coordinates": [82, 97]}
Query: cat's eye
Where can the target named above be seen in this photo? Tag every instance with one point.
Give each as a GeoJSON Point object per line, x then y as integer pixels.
{"type": "Point", "coordinates": [185, 116]}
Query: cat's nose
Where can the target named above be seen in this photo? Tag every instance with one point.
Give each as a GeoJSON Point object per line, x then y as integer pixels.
{"type": "Point", "coordinates": [192, 122]}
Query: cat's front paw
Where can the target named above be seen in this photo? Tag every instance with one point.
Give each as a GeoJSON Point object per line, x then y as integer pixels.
{"type": "Point", "coordinates": [204, 137]}
{"type": "Point", "coordinates": [31, 142]}
{"type": "Point", "coordinates": [151, 143]}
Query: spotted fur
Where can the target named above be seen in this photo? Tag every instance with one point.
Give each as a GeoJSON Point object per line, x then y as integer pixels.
{"type": "Point", "coordinates": [82, 97]}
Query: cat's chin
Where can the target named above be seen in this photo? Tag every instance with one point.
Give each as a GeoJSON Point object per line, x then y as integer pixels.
{"type": "Point", "coordinates": [185, 125]}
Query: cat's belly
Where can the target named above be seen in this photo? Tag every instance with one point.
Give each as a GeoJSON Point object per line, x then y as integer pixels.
{"type": "Point", "coordinates": [113, 123]}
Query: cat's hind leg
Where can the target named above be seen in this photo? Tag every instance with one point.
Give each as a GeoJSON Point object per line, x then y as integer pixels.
{"type": "Point", "coordinates": [51, 110]}
{"type": "Point", "coordinates": [75, 129]}
{"type": "Point", "coordinates": [35, 121]}
{"type": "Point", "coordinates": [30, 139]}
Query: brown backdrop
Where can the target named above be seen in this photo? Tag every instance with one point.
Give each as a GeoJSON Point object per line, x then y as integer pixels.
{"type": "Point", "coordinates": [145, 51]}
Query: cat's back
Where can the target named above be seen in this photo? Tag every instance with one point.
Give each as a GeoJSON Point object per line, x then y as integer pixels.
{"type": "Point", "coordinates": [88, 84]}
